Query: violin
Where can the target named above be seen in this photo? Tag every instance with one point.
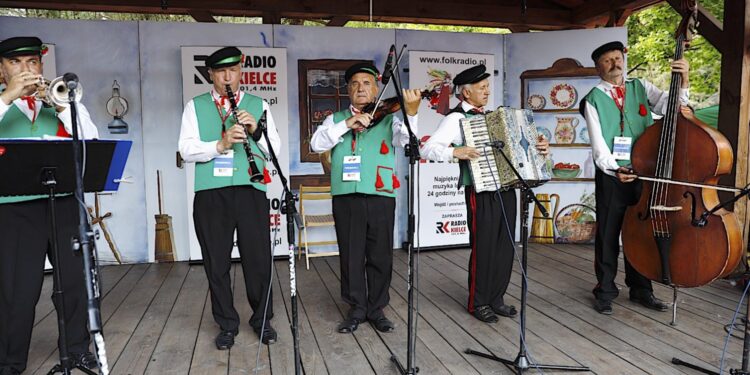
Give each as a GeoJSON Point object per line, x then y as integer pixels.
{"type": "Point", "coordinates": [389, 106]}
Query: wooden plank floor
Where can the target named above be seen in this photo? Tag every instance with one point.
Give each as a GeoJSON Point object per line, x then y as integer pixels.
{"type": "Point", "coordinates": [158, 321]}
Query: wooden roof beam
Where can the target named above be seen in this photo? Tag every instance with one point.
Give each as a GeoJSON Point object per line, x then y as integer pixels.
{"type": "Point", "coordinates": [422, 11]}
{"type": "Point", "coordinates": [518, 29]}
{"type": "Point", "coordinates": [201, 16]}
{"type": "Point", "coordinates": [570, 4]}
{"type": "Point", "coordinates": [593, 12]}
{"type": "Point", "coordinates": [273, 18]}
{"type": "Point", "coordinates": [338, 21]}
{"type": "Point", "coordinates": [618, 17]}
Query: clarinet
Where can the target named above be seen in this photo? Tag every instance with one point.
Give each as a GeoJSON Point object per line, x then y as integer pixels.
{"type": "Point", "coordinates": [255, 175]}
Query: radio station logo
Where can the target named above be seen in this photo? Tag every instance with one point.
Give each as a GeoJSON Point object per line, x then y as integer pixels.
{"type": "Point", "coordinates": [451, 227]}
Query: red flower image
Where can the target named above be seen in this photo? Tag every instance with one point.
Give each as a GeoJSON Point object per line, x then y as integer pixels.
{"type": "Point", "coordinates": [642, 110]}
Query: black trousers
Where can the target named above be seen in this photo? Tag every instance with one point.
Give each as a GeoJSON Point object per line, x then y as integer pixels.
{"type": "Point", "coordinates": [25, 238]}
{"type": "Point", "coordinates": [491, 260]}
{"type": "Point", "coordinates": [217, 213]}
{"type": "Point", "coordinates": [612, 199]}
{"type": "Point", "coordinates": [364, 230]}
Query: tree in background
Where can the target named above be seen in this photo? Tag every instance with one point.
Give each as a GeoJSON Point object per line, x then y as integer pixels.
{"type": "Point", "coordinates": [651, 46]}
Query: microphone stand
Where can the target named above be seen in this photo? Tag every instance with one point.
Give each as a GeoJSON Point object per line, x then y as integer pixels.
{"type": "Point", "coordinates": [292, 216]}
{"type": "Point", "coordinates": [65, 366]}
{"type": "Point", "coordinates": [701, 221]}
{"type": "Point", "coordinates": [411, 151]}
{"type": "Point", "coordinates": [521, 362]}
{"type": "Point", "coordinates": [85, 244]}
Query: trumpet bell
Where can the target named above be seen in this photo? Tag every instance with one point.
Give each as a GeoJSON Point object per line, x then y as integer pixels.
{"type": "Point", "coordinates": [59, 93]}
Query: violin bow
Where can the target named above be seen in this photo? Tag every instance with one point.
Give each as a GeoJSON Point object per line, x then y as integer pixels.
{"type": "Point", "coordinates": [683, 183]}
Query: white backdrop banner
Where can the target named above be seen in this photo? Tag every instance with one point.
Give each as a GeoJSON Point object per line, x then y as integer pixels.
{"type": "Point", "coordinates": [264, 75]}
{"type": "Point", "coordinates": [441, 206]}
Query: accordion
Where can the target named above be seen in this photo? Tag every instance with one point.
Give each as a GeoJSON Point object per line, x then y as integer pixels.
{"type": "Point", "coordinates": [515, 130]}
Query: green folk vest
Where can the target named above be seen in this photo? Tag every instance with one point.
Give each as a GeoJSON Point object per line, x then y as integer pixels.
{"type": "Point", "coordinates": [209, 127]}
{"type": "Point", "coordinates": [378, 158]}
{"type": "Point", "coordinates": [609, 115]}
{"type": "Point", "coordinates": [15, 124]}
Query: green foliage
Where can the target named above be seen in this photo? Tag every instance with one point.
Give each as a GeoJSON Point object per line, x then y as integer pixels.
{"type": "Point", "coordinates": [651, 43]}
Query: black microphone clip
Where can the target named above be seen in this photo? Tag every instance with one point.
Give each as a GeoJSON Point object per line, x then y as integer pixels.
{"type": "Point", "coordinates": [497, 144]}
{"type": "Point", "coordinates": [262, 121]}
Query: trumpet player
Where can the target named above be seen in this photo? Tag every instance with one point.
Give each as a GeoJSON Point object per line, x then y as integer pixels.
{"type": "Point", "coordinates": [24, 240]}
{"type": "Point", "coordinates": [226, 200]}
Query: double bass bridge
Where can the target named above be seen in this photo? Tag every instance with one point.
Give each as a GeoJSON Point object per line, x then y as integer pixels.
{"type": "Point", "coordinates": [662, 208]}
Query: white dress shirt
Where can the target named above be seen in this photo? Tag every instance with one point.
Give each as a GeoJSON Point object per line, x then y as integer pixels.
{"type": "Point", "coordinates": [86, 127]}
{"type": "Point", "coordinates": [193, 149]}
{"type": "Point", "coordinates": [603, 158]}
{"type": "Point", "coordinates": [440, 145]}
{"type": "Point", "coordinates": [329, 134]}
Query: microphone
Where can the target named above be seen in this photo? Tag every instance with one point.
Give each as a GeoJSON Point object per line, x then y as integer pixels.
{"type": "Point", "coordinates": [388, 69]}
{"type": "Point", "coordinates": [71, 80]}
{"type": "Point", "coordinates": [497, 144]}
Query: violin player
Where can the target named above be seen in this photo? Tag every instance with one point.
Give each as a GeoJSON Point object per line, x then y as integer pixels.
{"type": "Point", "coordinates": [363, 186]}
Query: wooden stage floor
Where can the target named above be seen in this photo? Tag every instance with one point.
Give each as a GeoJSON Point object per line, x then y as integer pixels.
{"type": "Point", "coordinates": [158, 321]}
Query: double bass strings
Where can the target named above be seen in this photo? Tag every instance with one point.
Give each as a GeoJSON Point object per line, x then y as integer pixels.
{"type": "Point", "coordinates": [665, 160]}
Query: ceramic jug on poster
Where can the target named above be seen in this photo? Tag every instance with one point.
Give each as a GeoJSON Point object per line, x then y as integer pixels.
{"type": "Point", "coordinates": [565, 131]}
{"type": "Point", "coordinates": [542, 228]}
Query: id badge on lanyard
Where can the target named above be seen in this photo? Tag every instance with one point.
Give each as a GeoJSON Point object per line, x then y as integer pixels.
{"type": "Point", "coordinates": [352, 168]}
{"type": "Point", "coordinates": [622, 145]}
{"type": "Point", "coordinates": [621, 148]}
{"type": "Point", "coordinates": [224, 165]}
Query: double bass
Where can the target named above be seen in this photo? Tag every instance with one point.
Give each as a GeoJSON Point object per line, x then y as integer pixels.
{"type": "Point", "coordinates": [661, 237]}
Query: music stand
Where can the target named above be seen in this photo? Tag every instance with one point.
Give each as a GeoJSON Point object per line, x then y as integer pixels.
{"type": "Point", "coordinates": [45, 168]}
{"type": "Point", "coordinates": [522, 363]}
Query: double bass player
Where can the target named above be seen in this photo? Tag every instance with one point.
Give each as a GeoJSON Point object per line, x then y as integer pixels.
{"type": "Point", "coordinates": [618, 111]}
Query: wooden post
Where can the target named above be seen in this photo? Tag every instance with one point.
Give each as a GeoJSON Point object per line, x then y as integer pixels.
{"type": "Point", "coordinates": [734, 112]}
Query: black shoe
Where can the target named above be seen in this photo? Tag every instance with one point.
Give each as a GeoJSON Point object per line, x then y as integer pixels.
{"type": "Point", "coordinates": [507, 311]}
{"type": "Point", "coordinates": [650, 301]}
{"type": "Point", "coordinates": [269, 334]}
{"type": "Point", "coordinates": [9, 371]}
{"type": "Point", "coordinates": [349, 325]}
{"type": "Point", "coordinates": [87, 360]}
{"type": "Point", "coordinates": [603, 307]}
{"type": "Point", "coordinates": [485, 314]}
{"type": "Point", "coordinates": [225, 340]}
{"type": "Point", "coordinates": [382, 324]}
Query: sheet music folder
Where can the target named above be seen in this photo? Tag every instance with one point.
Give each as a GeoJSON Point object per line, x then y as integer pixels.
{"type": "Point", "coordinates": [22, 162]}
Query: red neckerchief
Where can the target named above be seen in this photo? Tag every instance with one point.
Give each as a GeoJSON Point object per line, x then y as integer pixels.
{"type": "Point", "coordinates": [31, 103]}
{"type": "Point", "coordinates": [474, 110]}
{"type": "Point", "coordinates": [220, 106]}
{"type": "Point", "coordinates": [618, 95]}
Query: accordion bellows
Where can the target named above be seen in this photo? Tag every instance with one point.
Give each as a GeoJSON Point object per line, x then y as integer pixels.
{"type": "Point", "coordinates": [516, 130]}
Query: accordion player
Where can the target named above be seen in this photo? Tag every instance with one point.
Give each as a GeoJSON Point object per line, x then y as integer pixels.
{"type": "Point", "coordinates": [513, 131]}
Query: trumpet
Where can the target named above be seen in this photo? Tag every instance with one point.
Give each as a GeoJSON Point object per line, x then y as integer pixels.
{"type": "Point", "coordinates": [56, 93]}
